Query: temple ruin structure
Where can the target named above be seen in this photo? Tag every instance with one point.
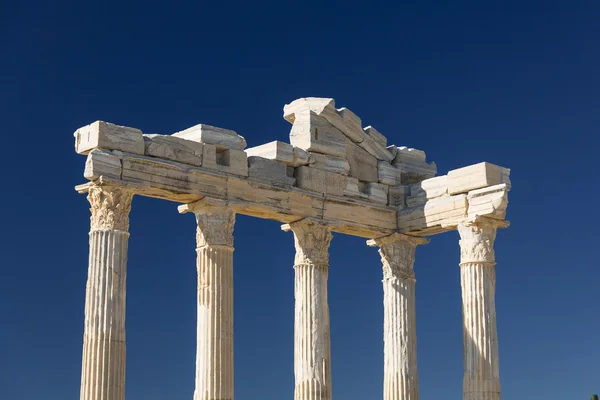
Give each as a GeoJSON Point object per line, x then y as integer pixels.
{"type": "Point", "coordinates": [334, 176]}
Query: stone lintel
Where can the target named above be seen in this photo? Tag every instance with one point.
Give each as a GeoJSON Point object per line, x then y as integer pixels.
{"type": "Point", "coordinates": [397, 237]}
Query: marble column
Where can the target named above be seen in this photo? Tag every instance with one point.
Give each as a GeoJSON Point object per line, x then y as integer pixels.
{"type": "Point", "coordinates": [103, 366]}
{"type": "Point", "coordinates": [478, 281]}
{"type": "Point", "coordinates": [312, 353]}
{"type": "Point", "coordinates": [214, 351]}
{"type": "Point", "coordinates": [400, 377]}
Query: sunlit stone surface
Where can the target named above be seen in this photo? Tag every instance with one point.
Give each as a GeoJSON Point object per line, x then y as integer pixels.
{"type": "Point", "coordinates": [335, 175]}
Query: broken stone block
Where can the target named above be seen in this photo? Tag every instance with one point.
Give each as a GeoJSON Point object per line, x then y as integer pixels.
{"type": "Point", "coordinates": [376, 136]}
{"type": "Point", "coordinates": [329, 163]}
{"type": "Point", "coordinates": [231, 161]}
{"type": "Point", "coordinates": [397, 196]}
{"type": "Point", "coordinates": [352, 125]}
{"type": "Point", "coordinates": [353, 189]}
{"type": "Point", "coordinates": [490, 201]}
{"type": "Point", "coordinates": [435, 187]}
{"type": "Point", "coordinates": [104, 135]}
{"type": "Point", "coordinates": [442, 211]}
{"type": "Point", "coordinates": [174, 149]}
{"type": "Point", "coordinates": [343, 119]}
{"type": "Point", "coordinates": [363, 165]}
{"type": "Point", "coordinates": [313, 133]}
{"type": "Point", "coordinates": [102, 163]}
{"type": "Point", "coordinates": [321, 181]}
{"type": "Point", "coordinates": [376, 192]}
{"type": "Point", "coordinates": [412, 164]}
{"type": "Point", "coordinates": [273, 171]}
{"type": "Point", "coordinates": [477, 176]}
{"type": "Point", "coordinates": [280, 151]}
{"type": "Point", "coordinates": [376, 149]}
{"type": "Point", "coordinates": [221, 138]}
{"type": "Point", "coordinates": [388, 174]}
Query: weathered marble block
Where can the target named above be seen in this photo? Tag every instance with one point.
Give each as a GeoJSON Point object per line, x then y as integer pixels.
{"type": "Point", "coordinates": [443, 211]}
{"type": "Point", "coordinates": [174, 149]}
{"type": "Point", "coordinates": [314, 133]}
{"type": "Point", "coordinates": [219, 137]}
{"type": "Point", "coordinates": [269, 170]}
{"type": "Point", "coordinates": [321, 181]}
{"type": "Point", "coordinates": [363, 165]}
{"type": "Point", "coordinates": [375, 148]}
{"type": "Point", "coordinates": [231, 161]}
{"type": "Point", "coordinates": [102, 163]}
{"type": "Point", "coordinates": [329, 163]}
{"type": "Point", "coordinates": [376, 192]}
{"type": "Point", "coordinates": [397, 196]}
{"type": "Point", "coordinates": [343, 119]}
{"type": "Point", "coordinates": [477, 176]}
{"type": "Point", "coordinates": [280, 151]}
{"type": "Point", "coordinates": [490, 201]}
{"type": "Point", "coordinates": [412, 164]}
{"type": "Point", "coordinates": [376, 136]}
{"type": "Point", "coordinates": [388, 174]}
{"type": "Point", "coordinates": [108, 136]}
{"type": "Point", "coordinates": [426, 190]}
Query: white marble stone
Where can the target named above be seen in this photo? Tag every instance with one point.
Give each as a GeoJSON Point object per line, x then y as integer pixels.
{"type": "Point", "coordinates": [312, 352]}
{"type": "Point", "coordinates": [491, 201]}
{"type": "Point", "coordinates": [412, 164]}
{"type": "Point", "coordinates": [104, 135]}
{"type": "Point", "coordinates": [376, 136]}
{"type": "Point", "coordinates": [272, 171]}
{"type": "Point", "coordinates": [326, 162]}
{"type": "Point", "coordinates": [400, 376]}
{"type": "Point", "coordinates": [229, 161]}
{"type": "Point", "coordinates": [313, 133]}
{"type": "Point", "coordinates": [350, 183]}
{"type": "Point", "coordinates": [102, 163]}
{"type": "Point", "coordinates": [388, 174]}
{"type": "Point", "coordinates": [321, 181]}
{"type": "Point", "coordinates": [214, 350]}
{"type": "Point", "coordinates": [363, 166]}
{"type": "Point", "coordinates": [174, 148]}
{"type": "Point", "coordinates": [280, 151]}
{"type": "Point", "coordinates": [477, 176]}
{"type": "Point", "coordinates": [219, 137]}
{"type": "Point", "coordinates": [103, 365]}
{"type": "Point", "coordinates": [478, 281]}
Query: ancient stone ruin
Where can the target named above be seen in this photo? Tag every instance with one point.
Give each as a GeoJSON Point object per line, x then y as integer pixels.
{"type": "Point", "coordinates": [333, 176]}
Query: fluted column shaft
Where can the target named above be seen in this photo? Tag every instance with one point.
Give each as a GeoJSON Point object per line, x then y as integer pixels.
{"type": "Point", "coordinates": [312, 351]}
{"type": "Point", "coordinates": [400, 376]}
{"type": "Point", "coordinates": [214, 351]}
{"type": "Point", "coordinates": [103, 365]}
{"type": "Point", "coordinates": [480, 337]}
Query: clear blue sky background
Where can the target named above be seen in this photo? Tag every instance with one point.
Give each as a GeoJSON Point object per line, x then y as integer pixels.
{"type": "Point", "coordinates": [515, 83]}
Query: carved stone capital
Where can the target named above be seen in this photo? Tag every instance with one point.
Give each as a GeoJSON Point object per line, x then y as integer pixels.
{"type": "Point", "coordinates": [215, 226]}
{"type": "Point", "coordinates": [110, 206]}
{"type": "Point", "coordinates": [477, 241]}
{"type": "Point", "coordinates": [398, 255]}
{"type": "Point", "coordinates": [312, 241]}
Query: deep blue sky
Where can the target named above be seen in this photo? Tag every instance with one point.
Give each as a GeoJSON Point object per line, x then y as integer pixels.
{"type": "Point", "coordinates": [516, 83]}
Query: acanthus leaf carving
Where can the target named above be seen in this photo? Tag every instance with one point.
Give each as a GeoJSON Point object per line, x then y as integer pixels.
{"type": "Point", "coordinates": [477, 242]}
{"type": "Point", "coordinates": [215, 226]}
{"type": "Point", "coordinates": [398, 255]}
{"type": "Point", "coordinates": [110, 207]}
{"type": "Point", "coordinates": [312, 241]}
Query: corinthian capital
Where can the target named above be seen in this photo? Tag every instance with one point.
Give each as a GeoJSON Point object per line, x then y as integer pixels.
{"type": "Point", "coordinates": [477, 240]}
{"type": "Point", "coordinates": [397, 253]}
{"type": "Point", "coordinates": [312, 241]}
{"type": "Point", "coordinates": [110, 207]}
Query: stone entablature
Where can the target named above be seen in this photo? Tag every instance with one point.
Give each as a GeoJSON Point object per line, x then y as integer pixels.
{"type": "Point", "coordinates": [333, 170]}
{"type": "Point", "coordinates": [334, 176]}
